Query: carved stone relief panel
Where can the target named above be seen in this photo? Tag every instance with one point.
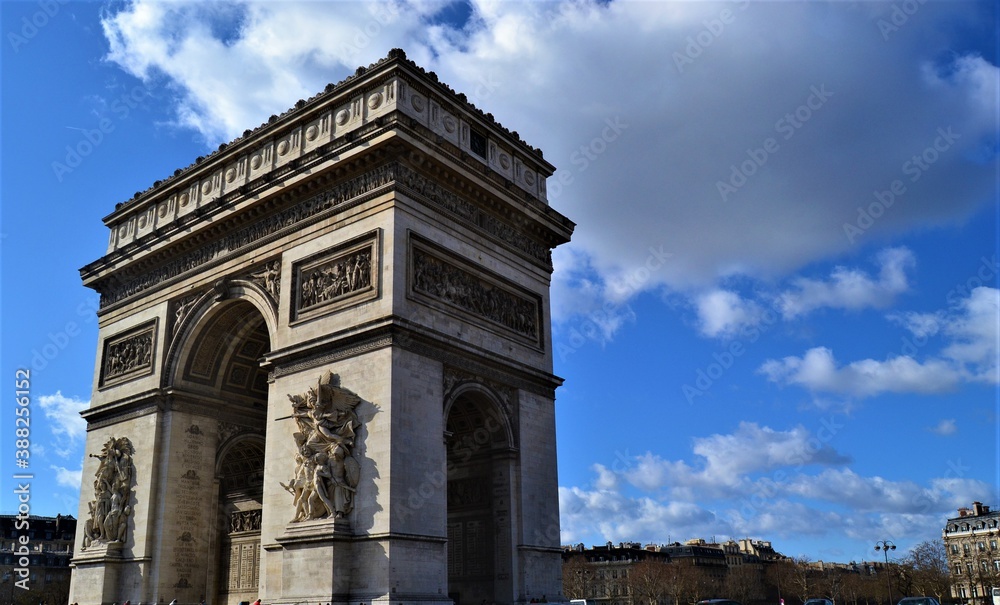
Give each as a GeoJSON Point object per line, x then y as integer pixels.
{"type": "Point", "coordinates": [268, 277]}
{"type": "Point", "coordinates": [334, 279]}
{"type": "Point", "coordinates": [109, 510]}
{"type": "Point", "coordinates": [439, 275]}
{"type": "Point", "coordinates": [326, 471]}
{"type": "Point", "coordinates": [128, 355]}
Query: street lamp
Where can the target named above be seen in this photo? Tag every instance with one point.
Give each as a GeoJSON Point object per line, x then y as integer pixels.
{"type": "Point", "coordinates": [886, 546]}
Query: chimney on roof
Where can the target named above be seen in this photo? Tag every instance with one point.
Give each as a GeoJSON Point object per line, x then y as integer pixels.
{"type": "Point", "coordinates": [977, 509]}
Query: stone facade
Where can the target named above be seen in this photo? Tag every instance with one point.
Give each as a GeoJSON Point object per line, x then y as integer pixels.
{"type": "Point", "coordinates": [971, 546]}
{"type": "Point", "coordinates": [328, 345]}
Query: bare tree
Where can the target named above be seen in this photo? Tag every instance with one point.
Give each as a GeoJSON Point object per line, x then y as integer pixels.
{"type": "Point", "coordinates": [743, 583]}
{"type": "Point", "coordinates": [576, 576]}
{"type": "Point", "coordinates": [926, 566]}
{"type": "Point", "coordinates": [649, 581]}
{"type": "Point", "coordinates": [801, 579]}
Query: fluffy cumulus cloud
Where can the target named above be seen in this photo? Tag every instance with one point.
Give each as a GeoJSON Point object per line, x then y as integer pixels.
{"type": "Point", "coordinates": [724, 312]}
{"type": "Point", "coordinates": [817, 370]}
{"type": "Point", "coordinates": [64, 421]}
{"type": "Point", "coordinates": [794, 484]}
{"type": "Point", "coordinates": [718, 125]}
{"type": "Point", "coordinates": [969, 354]}
{"type": "Point", "coordinates": [850, 288]}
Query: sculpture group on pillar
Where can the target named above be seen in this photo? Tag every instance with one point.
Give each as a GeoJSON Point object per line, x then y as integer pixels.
{"type": "Point", "coordinates": [109, 510]}
{"type": "Point", "coordinates": [326, 473]}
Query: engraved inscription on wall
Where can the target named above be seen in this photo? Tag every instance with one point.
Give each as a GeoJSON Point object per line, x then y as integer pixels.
{"type": "Point", "coordinates": [128, 355]}
{"type": "Point", "coordinates": [438, 275]}
{"type": "Point", "coordinates": [336, 278]}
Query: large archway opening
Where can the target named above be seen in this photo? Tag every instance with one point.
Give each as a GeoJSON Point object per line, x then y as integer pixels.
{"type": "Point", "coordinates": [479, 464]}
{"type": "Point", "coordinates": [220, 368]}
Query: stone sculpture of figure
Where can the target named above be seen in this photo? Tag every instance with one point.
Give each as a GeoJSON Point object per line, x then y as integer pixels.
{"type": "Point", "coordinates": [326, 474]}
{"type": "Point", "coordinates": [269, 278]}
{"type": "Point", "coordinates": [109, 510]}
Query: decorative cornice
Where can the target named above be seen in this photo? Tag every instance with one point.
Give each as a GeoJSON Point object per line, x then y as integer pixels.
{"type": "Point", "coordinates": [304, 107]}
{"type": "Point", "coordinates": [241, 239]}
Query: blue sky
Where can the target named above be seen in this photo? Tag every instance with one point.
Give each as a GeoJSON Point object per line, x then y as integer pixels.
{"type": "Point", "coordinates": [778, 317]}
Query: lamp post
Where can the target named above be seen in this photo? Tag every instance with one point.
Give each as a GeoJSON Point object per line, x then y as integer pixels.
{"type": "Point", "coordinates": [886, 546]}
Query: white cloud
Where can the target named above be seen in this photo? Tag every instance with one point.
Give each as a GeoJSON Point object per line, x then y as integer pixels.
{"type": "Point", "coordinates": [971, 354]}
{"type": "Point", "coordinates": [850, 288]}
{"type": "Point", "coordinates": [945, 428]}
{"type": "Point", "coordinates": [724, 313]}
{"type": "Point", "coordinates": [64, 417]}
{"type": "Point", "coordinates": [748, 486]}
{"type": "Point", "coordinates": [975, 332]}
{"type": "Point", "coordinates": [68, 478]}
{"type": "Point", "coordinates": [817, 370]}
{"type": "Point", "coordinates": [725, 462]}
{"type": "Point", "coordinates": [921, 325]}
{"type": "Point", "coordinates": [557, 71]}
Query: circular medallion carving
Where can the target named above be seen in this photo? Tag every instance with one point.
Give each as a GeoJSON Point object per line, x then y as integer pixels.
{"type": "Point", "coordinates": [184, 200]}
{"type": "Point", "coordinates": [417, 103]}
{"type": "Point", "coordinates": [283, 148]}
{"type": "Point", "coordinates": [142, 221]}
{"type": "Point", "coordinates": [375, 101]}
{"type": "Point", "coordinates": [450, 125]}
{"type": "Point", "coordinates": [529, 177]}
{"type": "Point", "coordinates": [230, 175]}
{"type": "Point", "coordinates": [162, 210]}
{"type": "Point", "coordinates": [122, 231]}
{"type": "Point", "coordinates": [311, 133]}
{"type": "Point", "coordinates": [256, 161]}
{"type": "Point", "coordinates": [504, 161]}
{"type": "Point", "coordinates": [206, 188]}
{"type": "Point", "coordinates": [342, 116]}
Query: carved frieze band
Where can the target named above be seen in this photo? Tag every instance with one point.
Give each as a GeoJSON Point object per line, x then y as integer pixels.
{"type": "Point", "coordinates": [128, 355]}
{"type": "Point", "coordinates": [385, 175]}
{"type": "Point", "coordinates": [470, 213]}
{"type": "Point", "coordinates": [336, 278]}
{"type": "Point", "coordinates": [265, 227]}
{"type": "Point", "coordinates": [473, 291]}
{"type": "Point", "coordinates": [244, 520]}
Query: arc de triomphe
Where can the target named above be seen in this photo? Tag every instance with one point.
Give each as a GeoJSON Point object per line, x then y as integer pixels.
{"type": "Point", "coordinates": [325, 367]}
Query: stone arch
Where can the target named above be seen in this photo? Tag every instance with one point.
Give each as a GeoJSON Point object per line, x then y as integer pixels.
{"type": "Point", "coordinates": [194, 317]}
{"type": "Point", "coordinates": [213, 371]}
{"type": "Point", "coordinates": [481, 466]}
{"type": "Point", "coordinates": [489, 404]}
{"type": "Point", "coordinates": [239, 481]}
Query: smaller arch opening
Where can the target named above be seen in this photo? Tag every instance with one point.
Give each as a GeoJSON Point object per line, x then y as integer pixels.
{"type": "Point", "coordinates": [479, 498]}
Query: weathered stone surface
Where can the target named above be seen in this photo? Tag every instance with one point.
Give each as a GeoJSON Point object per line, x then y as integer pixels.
{"type": "Point", "coordinates": [329, 345]}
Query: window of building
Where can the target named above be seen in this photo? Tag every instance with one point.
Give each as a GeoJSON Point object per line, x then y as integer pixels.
{"type": "Point", "coordinates": [993, 544]}
{"type": "Point", "coordinates": [48, 535]}
{"type": "Point", "coordinates": [975, 591]}
{"type": "Point", "coordinates": [985, 566]}
{"type": "Point", "coordinates": [477, 143]}
{"type": "Point", "coordinates": [968, 568]}
{"type": "Point", "coordinates": [962, 592]}
{"type": "Point", "coordinates": [965, 548]}
{"type": "Point", "coordinates": [981, 546]}
{"type": "Point", "coordinates": [954, 549]}
{"type": "Point", "coordinates": [996, 565]}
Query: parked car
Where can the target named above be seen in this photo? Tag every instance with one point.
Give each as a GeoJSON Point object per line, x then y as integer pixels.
{"type": "Point", "coordinates": [818, 602]}
{"type": "Point", "coordinates": [918, 601]}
